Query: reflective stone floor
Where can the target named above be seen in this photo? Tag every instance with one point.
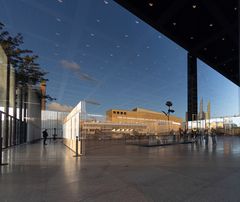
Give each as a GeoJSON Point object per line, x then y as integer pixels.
{"type": "Point", "coordinates": [117, 172]}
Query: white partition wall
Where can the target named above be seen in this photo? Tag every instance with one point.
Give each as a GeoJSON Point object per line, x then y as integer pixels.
{"type": "Point", "coordinates": [71, 128]}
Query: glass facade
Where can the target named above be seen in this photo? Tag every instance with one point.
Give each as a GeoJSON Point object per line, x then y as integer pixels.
{"type": "Point", "coordinates": [51, 120]}
{"type": "Point", "coordinates": [220, 122]}
{"type": "Point", "coordinates": [13, 136]}
{"type": "Point", "coordinates": [3, 81]}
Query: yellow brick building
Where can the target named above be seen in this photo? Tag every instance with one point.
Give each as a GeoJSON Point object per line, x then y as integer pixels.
{"type": "Point", "coordinates": [156, 122]}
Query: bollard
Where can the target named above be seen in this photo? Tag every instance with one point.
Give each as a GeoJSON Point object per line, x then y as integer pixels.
{"type": "Point", "coordinates": [81, 149]}
{"type": "Point", "coordinates": [77, 155]}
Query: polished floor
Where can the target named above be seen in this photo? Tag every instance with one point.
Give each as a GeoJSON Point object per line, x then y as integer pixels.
{"type": "Point", "coordinates": [112, 171]}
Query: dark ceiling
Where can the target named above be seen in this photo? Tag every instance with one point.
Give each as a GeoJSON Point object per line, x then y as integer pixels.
{"type": "Point", "coordinates": [208, 29]}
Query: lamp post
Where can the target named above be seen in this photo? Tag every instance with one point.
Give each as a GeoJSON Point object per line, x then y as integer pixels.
{"type": "Point", "coordinates": [169, 105]}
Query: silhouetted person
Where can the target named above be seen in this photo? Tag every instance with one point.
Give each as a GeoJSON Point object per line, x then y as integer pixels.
{"type": "Point", "coordinates": [213, 134]}
{"type": "Point", "coordinates": [45, 135]}
{"type": "Point", "coordinates": [54, 134]}
{"type": "Point", "coordinates": [206, 136]}
{"type": "Point", "coordinates": [201, 136]}
{"type": "Point", "coordinates": [197, 136]}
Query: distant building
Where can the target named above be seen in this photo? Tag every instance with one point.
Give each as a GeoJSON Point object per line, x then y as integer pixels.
{"type": "Point", "coordinates": [118, 124]}
{"type": "Point", "coordinates": [225, 125]}
{"type": "Point", "coordinates": [107, 130]}
{"type": "Point", "coordinates": [208, 114]}
{"type": "Point", "coordinates": [201, 115]}
{"type": "Point", "coordinates": [155, 122]}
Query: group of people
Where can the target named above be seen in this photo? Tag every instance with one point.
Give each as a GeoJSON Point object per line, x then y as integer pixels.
{"type": "Point", "coordinates": [45, 136]}
{"type": "Point", "coordinates": [198, 135]}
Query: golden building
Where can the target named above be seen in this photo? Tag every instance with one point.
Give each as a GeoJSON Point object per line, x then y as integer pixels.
{"type": "Point", "coordinates": [156, 122]}
{"type": "Point", "coordinates": [93, 129]}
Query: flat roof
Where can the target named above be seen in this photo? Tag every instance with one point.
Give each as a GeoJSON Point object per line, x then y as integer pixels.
{"type": "Point", "coordinates": [209, 29]}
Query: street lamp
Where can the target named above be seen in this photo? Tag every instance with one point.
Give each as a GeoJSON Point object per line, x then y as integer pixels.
{"type": "Point", "coordinates": [169, 105]}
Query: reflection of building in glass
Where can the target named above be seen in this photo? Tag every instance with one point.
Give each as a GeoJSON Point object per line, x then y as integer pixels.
{"type": "Point", "coordinates": [95, 129]}
{"type": "Point", "coordinates": [118, 123]}
{"type": "Point", "coordinates": [226, 125]}
{"type": "Point", "coordinates": [136, 122]}
{"type": "Point", "coordinates": [155, 122]}
{"type": "Point", "coordinates": [204, 115]}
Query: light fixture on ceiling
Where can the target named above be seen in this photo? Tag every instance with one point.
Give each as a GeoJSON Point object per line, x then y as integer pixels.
{"type": "Point", "coordinates": [174, 23]}
{"type": "Point", "coordinates": [150, 4]}
{"type": "Point", "coordinates": [194, 6]}
{"type": "Point", "coordinates": [223, 39]}
{"type": "Point", "coordinates": [191, 37]}
{"type": "Point", "coordinates": [210, 25]}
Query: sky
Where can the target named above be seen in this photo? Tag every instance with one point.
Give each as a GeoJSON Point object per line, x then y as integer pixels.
{"type": "Point", "coordinates": [96, 50]}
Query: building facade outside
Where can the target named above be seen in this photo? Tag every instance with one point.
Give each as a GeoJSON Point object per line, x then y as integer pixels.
{"type": "Point", "coordinates": [109, 130]}
{"type": "Point", "coordinates": [228, 125]}
{"type": "Point", "coordinates": [156, 122]}
{"type": "Point", "coordinates": [124, 123]}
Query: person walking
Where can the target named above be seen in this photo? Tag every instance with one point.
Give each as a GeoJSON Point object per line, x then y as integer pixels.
{"type": "Point", "coordinates": [201, 136]}
{"type": "Point", "coordinates": [45, 135]}
{"type": "Point", "coordinates": [206, 136]}
{"type": "Point", "coordinates": [213, 134]}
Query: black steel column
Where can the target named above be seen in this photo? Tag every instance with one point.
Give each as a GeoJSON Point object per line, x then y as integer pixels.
{"type": "Point", "coordinates": [192, 88]}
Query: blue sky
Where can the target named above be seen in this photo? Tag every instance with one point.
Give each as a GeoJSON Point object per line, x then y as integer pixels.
{"type": "Point", "coordinates": [96, 50]}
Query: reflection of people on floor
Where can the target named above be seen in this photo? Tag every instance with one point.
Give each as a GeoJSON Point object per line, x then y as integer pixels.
{"type": "Point", "coordinates": [54, 134]}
